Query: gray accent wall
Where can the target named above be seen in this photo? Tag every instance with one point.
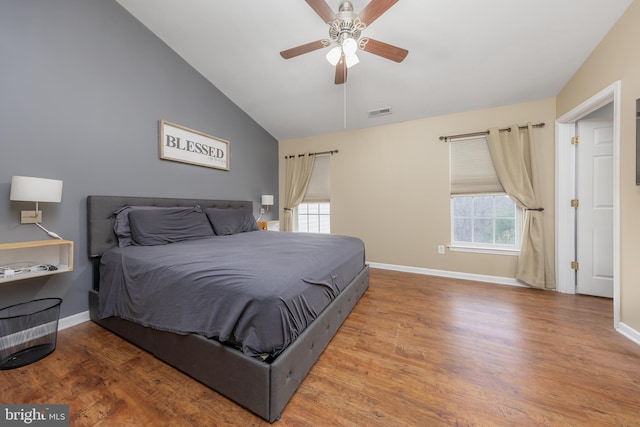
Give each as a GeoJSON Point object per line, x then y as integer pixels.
{"type": "Point", "coordinates": [83, 85]}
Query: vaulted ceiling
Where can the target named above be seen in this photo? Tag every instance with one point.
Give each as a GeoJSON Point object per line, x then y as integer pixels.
{"type": "Point", "coordinates": [463, 55]}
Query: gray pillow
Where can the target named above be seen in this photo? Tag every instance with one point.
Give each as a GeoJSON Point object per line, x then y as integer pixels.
{"type": "Point", "coordinates": [231, 221]}
{"type": "Point", "coordinates": [121, 223]}
{"type": "Point", "coordinates": [151, 227]}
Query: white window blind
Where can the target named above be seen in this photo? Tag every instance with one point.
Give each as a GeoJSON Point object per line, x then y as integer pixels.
{"type": "Point", "coordinates": [320, 182]}
{"type": "Point", "coordinates": [472, 170]}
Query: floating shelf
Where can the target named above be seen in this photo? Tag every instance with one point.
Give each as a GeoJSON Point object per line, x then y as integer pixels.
{"type": "Point", "coordinates": [57, 253]}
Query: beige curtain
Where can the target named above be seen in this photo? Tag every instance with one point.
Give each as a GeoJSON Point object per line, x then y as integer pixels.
{"type": "Point", "coordinates": [513, 155]}
{"type": "Point", "coordinates": [298, 174]}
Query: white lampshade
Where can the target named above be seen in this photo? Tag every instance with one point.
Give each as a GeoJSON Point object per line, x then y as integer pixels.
{"type": "Point", "coordinates": [351, 60]}
{"type": "Point", "coordinates": [333, 56]}
{"type": "Point", "coordinates": [30, 189]}
{"type": "Point", "coordinates": [267, 200]}
{"type": "Point", "coordinates": [349, 46]}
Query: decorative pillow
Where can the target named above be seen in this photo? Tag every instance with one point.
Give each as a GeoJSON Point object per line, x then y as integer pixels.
{"type": "Point", "coordinates": [231, 221]}
{"type": "Point", "coordinates": [150, 227]}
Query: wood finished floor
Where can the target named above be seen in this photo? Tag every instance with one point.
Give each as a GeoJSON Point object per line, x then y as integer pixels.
{"type": "Point", "coordinates": [416, 351]}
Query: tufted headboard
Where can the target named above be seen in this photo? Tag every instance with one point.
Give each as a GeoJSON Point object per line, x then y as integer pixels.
{"type": "Point", "coordinates": [100, 216]}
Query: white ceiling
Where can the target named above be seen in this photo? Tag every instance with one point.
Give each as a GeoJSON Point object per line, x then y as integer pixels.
{"type": "Point", "coordinates": [463, 55]}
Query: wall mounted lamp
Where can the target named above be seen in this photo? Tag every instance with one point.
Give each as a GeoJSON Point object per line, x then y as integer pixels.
{"type": "Point", "coordinates": [31, 189]}
{"type": "Point", "coordinates": [265, 202]}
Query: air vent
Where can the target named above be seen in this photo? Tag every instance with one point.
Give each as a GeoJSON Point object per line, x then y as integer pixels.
{"type": "Point", "coordinates": [379, 112]}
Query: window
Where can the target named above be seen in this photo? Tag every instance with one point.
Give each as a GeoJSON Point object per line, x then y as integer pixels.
{"type": "Point", "coordinates": [483, 217]}
{"type": "Point", "coordinates": [485, 221]}
{"type": "Point", "coordinates": [313, 215]}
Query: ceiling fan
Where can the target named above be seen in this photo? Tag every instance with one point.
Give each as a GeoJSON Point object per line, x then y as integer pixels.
{"type": "Point", "coordinates": [345, 28]}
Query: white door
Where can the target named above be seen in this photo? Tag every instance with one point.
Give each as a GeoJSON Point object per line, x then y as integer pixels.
{"type": "Point", "coordinates": [594, 216]}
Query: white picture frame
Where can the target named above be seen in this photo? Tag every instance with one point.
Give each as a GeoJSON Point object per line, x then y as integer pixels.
{"type": "Point", "coordinates": [181, 144]}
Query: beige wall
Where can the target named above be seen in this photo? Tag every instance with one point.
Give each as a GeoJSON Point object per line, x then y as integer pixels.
{"type": "Point", "coordinates": [618, 58]}
{"type": "Point", "coordinates": [390, 185]}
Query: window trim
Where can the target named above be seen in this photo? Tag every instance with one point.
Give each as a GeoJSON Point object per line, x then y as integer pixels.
{"type": "Point", "coordinates": [483, 250]}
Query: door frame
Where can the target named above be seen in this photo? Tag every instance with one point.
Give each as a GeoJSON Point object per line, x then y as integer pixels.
{"type": "Point", "coordinates": [565, 191]}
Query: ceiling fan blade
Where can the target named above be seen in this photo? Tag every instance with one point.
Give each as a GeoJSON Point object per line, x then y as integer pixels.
{"type": "Point", "coordinates": [385, 50]}
{"type": "Point", "coordinates": [302, 49]}
{"type": "Point", "coordinates": [374, 9]}
{"type": "Point", "coordinates": [323, 10]}
{"type": "Point", "coordinates": [341, 71]}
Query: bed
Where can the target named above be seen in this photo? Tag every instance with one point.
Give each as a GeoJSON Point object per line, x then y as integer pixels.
{"type": "Point", "coordinates": [225, 347]}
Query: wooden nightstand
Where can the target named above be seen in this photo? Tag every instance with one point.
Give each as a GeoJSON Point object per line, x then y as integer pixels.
{"type": "Point", "coordinates": [273, 225]}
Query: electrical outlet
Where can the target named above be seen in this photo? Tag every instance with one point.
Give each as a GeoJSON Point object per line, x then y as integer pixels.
{"type": "Point", "coordinates": [261, 210]}
{"type": "Point", "coordinates": [441, 249]}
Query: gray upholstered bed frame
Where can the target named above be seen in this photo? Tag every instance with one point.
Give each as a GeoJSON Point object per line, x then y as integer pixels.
{"type": "Point", "coordinates": [263, 388]}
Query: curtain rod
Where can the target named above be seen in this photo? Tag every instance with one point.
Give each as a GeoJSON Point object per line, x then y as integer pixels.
{"type": "Point", "coordinates": [319, 153]}
{"type": "Point", "coordinates": [486, 132]}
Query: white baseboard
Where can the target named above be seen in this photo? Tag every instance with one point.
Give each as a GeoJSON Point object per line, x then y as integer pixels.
{"type": "Point", "coordinates": [629, 332]}
{"type": "Point", "coordinates": [74, 319]}
{"type": "Point", "coordinates": [452, 274]}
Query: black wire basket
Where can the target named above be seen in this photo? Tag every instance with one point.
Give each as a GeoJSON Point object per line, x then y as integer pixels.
{"type": "Point", "coordinates": [28, 331]}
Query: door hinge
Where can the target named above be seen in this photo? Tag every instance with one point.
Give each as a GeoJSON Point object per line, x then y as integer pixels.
{"type": "Point", "coordinates": [575, 265]}
{"type": "Point", "coordinates": [575, 140]}
{"type": "Point", "coordinates": [575, 203]}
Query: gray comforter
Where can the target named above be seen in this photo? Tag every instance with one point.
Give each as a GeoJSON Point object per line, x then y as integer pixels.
{"type": "Point", "coordinates": [257, 290]}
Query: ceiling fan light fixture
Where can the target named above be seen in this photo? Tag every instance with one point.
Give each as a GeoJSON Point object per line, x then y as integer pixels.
{"type": "Point", "coordinates": [333, 56]}
{"type": "Point", "coordinates": [351, 60]}
{"type": "Point", "coordinates": [349, 46]}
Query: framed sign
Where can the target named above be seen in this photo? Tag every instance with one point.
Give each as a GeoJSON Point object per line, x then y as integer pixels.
{"type": "Point", "coordinates": [185, 145]}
